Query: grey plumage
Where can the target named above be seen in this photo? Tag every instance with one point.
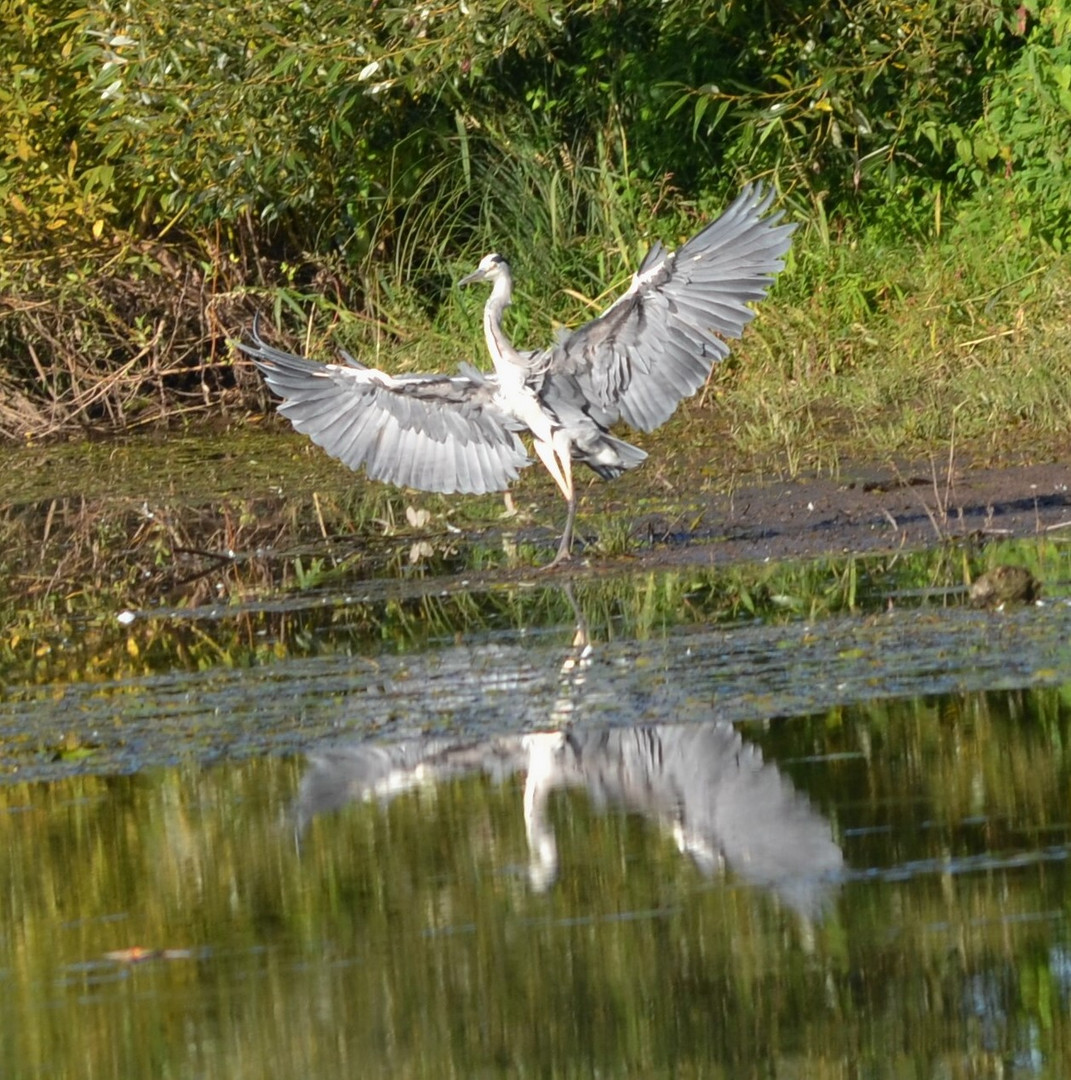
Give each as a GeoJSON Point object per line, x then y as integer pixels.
{"type": "Point", "coordinates": [430, 432]}
{"type": "Point", "coordinates": [653, 347]}
{"type": "Point", "coordinates": [656, 344]}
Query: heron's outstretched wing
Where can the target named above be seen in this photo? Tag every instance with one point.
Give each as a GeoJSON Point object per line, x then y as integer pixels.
{"type": "Point", "coordinates": [428, 432]}
{"type": "Point", "coordinates": [656, 344]}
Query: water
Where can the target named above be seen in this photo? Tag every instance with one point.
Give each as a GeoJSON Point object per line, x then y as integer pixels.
{"type": "Point", "coordinates": [268, 810]}
{"type": "Point", "coordinates": [833, 846]}
{"type": "Point", "coordinates": [915, 924]}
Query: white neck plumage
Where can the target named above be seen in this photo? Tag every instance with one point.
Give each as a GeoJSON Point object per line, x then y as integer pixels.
{"type": "Point", "coordinates": [509, 365]}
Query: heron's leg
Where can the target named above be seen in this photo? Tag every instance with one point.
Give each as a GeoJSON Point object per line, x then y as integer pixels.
{"type": "Point", "coordinates": [565, 548]}
{"type": "Point", "coordinates": [546, 452]}
{"type": "Point", "coordinates": [560, 446]}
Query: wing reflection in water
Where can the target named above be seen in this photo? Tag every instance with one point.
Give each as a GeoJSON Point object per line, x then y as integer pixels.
{"type": "Point", "coordinates": [701, 783]}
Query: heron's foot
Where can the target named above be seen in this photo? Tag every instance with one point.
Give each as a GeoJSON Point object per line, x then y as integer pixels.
{"type": "Point", "coordinates": [565, 553]}
{"type": "Point", "coordinates": [563, 556]}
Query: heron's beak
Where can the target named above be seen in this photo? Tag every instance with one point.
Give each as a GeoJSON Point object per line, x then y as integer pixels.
{"type": "Point", "coordinates": [469, 279]}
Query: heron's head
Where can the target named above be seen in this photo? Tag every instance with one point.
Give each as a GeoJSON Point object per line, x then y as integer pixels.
{"type": "Point", "coordinates": [491, 268]}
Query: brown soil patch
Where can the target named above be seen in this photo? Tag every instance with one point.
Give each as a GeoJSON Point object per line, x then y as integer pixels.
{"type": "Point", "coordinates": [871, 510]}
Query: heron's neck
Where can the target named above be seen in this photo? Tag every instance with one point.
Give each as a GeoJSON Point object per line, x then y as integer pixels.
{"type": "Point", "coordinates": [508, 362]}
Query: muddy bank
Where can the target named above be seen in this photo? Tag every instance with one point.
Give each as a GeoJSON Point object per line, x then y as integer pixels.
{"type": "Point", "coordinates": [203, 518]}
{"type": "Point", "coordinates": [870, 509]}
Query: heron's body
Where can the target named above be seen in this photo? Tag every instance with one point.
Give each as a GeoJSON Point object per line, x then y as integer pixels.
{"type": "Point", "coordinates": [653, 347]}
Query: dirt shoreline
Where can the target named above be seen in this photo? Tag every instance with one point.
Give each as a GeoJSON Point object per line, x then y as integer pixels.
{"type": "Point", "coordinates": [265, 491]}
{"type": "Point", "coordinates": [870, 510]}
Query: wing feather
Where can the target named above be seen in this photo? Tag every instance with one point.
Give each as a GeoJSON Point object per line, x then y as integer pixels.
{"type": "Point", "coordinates": [656, 344]}
{"type": "Point", "coordinates": [404, 455]}
{"type": "Point", "coordinates": [461, 460]}
{"type": "Point", "coordinates": [431, 432]}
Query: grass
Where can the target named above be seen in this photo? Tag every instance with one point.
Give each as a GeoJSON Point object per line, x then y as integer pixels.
{"type": "Point", "coordinates": [866, 348]}
{"type": "Point", "coordinates": [953, 344]}
{"type": "Point", "coordinates": [948, 344]}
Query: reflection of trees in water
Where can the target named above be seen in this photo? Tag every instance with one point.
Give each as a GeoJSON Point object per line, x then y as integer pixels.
{"type": "Point", "coordinates": [702, 783]}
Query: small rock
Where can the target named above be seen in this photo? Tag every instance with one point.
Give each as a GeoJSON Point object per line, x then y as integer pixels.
{"type": "Point", "coordinates": [1005, 585]}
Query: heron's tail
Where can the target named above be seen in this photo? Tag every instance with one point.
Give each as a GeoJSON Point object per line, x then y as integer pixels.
{"type": "Point", "coordinates": [610, 456]}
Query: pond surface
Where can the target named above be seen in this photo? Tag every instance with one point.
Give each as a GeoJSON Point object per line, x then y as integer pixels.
{"type": "Point", "coordinates": [836, 848]}
{"type": "Point", "coordinates": [791, 821]}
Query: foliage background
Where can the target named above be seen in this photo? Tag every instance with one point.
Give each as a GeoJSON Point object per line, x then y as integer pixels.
{"type": "Point", "coordinates": [165, 170]}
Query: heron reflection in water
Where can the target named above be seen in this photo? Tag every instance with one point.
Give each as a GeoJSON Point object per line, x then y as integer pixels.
{"type": "Point", "coordinates": [703, 785]}
{"type": "Point", "coordinates": [635, 362]}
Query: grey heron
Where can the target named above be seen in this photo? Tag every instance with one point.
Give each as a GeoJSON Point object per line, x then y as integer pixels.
{"type": "Point", "coordinates": [635, 362]}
